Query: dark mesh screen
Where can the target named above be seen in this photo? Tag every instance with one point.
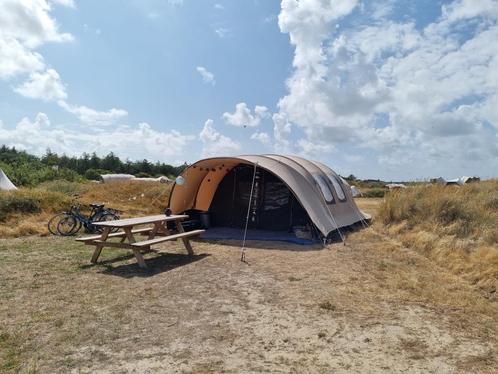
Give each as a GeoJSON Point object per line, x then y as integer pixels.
{"type": "Point", "coordinates": [273, 207]}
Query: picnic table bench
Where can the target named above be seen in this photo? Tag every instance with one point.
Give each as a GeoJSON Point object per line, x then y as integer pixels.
{"type": "Point", "coordinates": [158, 233]}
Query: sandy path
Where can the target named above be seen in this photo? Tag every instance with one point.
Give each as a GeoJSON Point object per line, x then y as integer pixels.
{"type": "Point", "coordinates": [369, 306]}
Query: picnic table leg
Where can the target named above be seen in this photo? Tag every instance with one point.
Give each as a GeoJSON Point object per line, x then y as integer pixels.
{"type": "Point", "coordinates": [159, 227]}
{"type": "Point", "coordinates": [136, 251]}
{"type": "Point", "coordinates": [186, 242]}
{"type": "Point", "coordinates": [99, 246]}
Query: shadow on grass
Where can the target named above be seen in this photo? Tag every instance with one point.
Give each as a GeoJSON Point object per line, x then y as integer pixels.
{"type": "Point", "coordinates": [334, 238]}
{"type": "Point", "coordinates": [108, 261]}
{"type": "Point", "coordinates": [265, 244]}
{"type": "Point", "coordinates": [161, 263]}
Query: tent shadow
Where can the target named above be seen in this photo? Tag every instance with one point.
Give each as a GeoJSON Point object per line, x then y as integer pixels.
{"type": "Point", "coordinates": [334, 238]}
{"type": "Point", "coordinates": [161, 263]}
{"type": "Point", "coordinates": [269, 245]}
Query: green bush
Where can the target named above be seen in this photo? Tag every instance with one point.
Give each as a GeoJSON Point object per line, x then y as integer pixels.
{"type": "Point", "coordinates": [95, 174]}
{"type": "Point", "coordinates": [29, 175]}
{"type": "Point", "coordinates": [143, 175]}
{"type": "Point", "coordinates": [374, 192]}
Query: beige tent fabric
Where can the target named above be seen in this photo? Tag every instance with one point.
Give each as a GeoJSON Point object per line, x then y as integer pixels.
{"type": "Point", "coordinates": [310, 182]}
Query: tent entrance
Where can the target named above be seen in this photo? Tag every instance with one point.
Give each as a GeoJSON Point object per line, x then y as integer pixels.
{"type": "Point", "coordinates": [230, 233]}
{"type": "Point", "coordinates": [274, 207]}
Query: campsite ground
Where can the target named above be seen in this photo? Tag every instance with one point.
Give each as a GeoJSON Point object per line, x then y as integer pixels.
{"type": "Point", "coordinates": [369, 306]}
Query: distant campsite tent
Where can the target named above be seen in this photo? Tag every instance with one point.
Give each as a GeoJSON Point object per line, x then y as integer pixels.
{"type": "Point", "coordinates": [161, 179]}
{"type": "Point", "coordinates": [289, 192]}
{"type": "Point", "coordinates": [355, 191]}
{"type": "Point", "coordinates": [439, 180]}
{"type": "Point", "coordinates": [466, 180]}
{"type": "Point", "coordinates": [5, 183]}
{"type": "Point", "coordinates": [395, 186]}
{"type": "Point", "coordinates": [455, 182]}
{"type": "Point", "coordinates": [106, 178]}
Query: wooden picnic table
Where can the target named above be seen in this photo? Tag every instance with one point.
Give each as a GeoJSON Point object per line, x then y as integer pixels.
{"type": "Point", "coordinates": [158, 233]}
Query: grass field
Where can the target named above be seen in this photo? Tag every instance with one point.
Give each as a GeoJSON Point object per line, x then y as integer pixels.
{"type": "Point", "coordinates": [373, 305]}
{"type": "Point", "coordinates": [457, 227]}
{"type": "Point", "coordinates": [27, 210]}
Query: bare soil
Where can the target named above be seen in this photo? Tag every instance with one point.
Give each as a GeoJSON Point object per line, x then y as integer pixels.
{"type": "Point", "coordinates": [368, 306]}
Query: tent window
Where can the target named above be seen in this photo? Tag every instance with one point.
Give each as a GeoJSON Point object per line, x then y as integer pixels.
{"type": "Point", "coordinates": [337, 187]}
{"type": "Point", "coordinates": [324, 187]}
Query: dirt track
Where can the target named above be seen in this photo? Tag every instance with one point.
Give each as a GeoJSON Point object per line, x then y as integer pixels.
{"type": "Point", "coordinates": [370, 306]}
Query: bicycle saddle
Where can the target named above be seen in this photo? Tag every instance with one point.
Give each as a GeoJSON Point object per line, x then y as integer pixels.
{"type": "Point", "coordinates": [96, 205]}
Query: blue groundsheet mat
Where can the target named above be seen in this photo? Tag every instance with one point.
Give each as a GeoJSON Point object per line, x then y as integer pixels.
{"type": "Point", "coordinates": [228, 233]}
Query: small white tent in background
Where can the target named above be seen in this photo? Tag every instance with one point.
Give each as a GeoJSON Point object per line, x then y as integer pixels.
{"type": "Point", "coordinates": [106, 178]}
{"type": "Point", "coordinates": [395, 186]}
{"type": "Point", "coordinates": [466, 180]}
{"type": "Point", "coordinates": [161, 179]}
{"type": "Point", "coordinates": [5, 183]}
{"type": "Point", "coordinates": [355, 191]}
{"type": "Point", "coordinates": [455, 182]}
{"type": "Point", "coordinates": [439, 180]}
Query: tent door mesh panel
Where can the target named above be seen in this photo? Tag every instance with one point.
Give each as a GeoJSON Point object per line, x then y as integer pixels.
{"type": "Point", "coordinates": [274, 207]}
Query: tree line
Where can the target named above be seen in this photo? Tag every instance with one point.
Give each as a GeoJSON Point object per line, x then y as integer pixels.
{"type": "Point", "coordinates": [25, 169]}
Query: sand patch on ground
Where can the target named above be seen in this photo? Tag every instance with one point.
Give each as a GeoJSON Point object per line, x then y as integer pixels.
{"type": "Point", "coordinates": [369, 306]}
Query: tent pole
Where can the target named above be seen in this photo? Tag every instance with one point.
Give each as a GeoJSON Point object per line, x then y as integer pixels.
{"type": "Point", "coordinates": [243, 249]}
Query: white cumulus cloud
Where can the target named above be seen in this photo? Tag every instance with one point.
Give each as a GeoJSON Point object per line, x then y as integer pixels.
{"type": "Point", "coordinates": [24, 26]}
{"type": "Point", "coordinates": [262, 137]}
{"type": "Point", "coordinates": [16, 59]}
{"type": "Point", "coordinates": [94, 117]}
{"type": "Point", "coordinates": [215, 143]}
{"type": "Point", "coordinates": [415, 96]}
{"type": "Point", "coordinates": [29, 22]}
{"type": "Point", "coordinates": [135, 142]}
{"type": "Point", "coordinates": [222, 32]}
{"type": "Point", "coordinates": [206, 75]}
{"type": "Point", "coordinates": [46, 86]}
{"type": "Point", "coordinates": [243, 116]}
{"type": "Point", "coordinates": [67, 3]}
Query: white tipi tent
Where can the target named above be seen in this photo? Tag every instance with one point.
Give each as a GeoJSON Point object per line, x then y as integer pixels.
{"type": "Point", "coordinates": [5, 183]}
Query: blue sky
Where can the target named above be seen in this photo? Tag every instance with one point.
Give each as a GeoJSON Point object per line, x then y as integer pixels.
{"type": "Point", "coordinates": [380, 89]}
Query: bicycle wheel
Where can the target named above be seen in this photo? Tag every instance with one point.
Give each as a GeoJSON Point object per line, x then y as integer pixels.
{"type": "Point", "coordinates": [53, 222]}
{"type": "Point", "coordinates": [68, 225]}
{"type": "Point", "coordinates": [106, 217]}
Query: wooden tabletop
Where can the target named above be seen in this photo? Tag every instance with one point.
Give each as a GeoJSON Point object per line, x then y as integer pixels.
{"type": "Point", "coordinates": [127, 222]}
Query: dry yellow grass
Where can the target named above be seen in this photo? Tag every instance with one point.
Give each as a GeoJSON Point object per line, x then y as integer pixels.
{"type": "Point", "coordinates": [130, 197]}
{"type": "Point", "coordinates": [27, 210]}
{"type": "Point", "coordinates": [371, 306]}
{"type": "Point", "coordinates": [456, 227]}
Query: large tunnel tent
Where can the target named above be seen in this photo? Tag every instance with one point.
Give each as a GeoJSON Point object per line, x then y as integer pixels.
{"type": "Point", "coordinates": [289, 193]}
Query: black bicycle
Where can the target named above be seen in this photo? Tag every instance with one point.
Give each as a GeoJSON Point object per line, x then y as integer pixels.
{"type": "Point", "coordinates": [69, 223]}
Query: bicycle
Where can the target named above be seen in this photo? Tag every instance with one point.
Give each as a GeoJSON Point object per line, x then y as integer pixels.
{"type": "Point", "coordinates": [69, 223]}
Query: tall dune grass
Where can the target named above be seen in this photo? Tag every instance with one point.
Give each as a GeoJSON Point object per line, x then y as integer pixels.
{"type": "Point", "coordinates": [455, 226]}
{"type": "Point", "coordinates": [26, 211]}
